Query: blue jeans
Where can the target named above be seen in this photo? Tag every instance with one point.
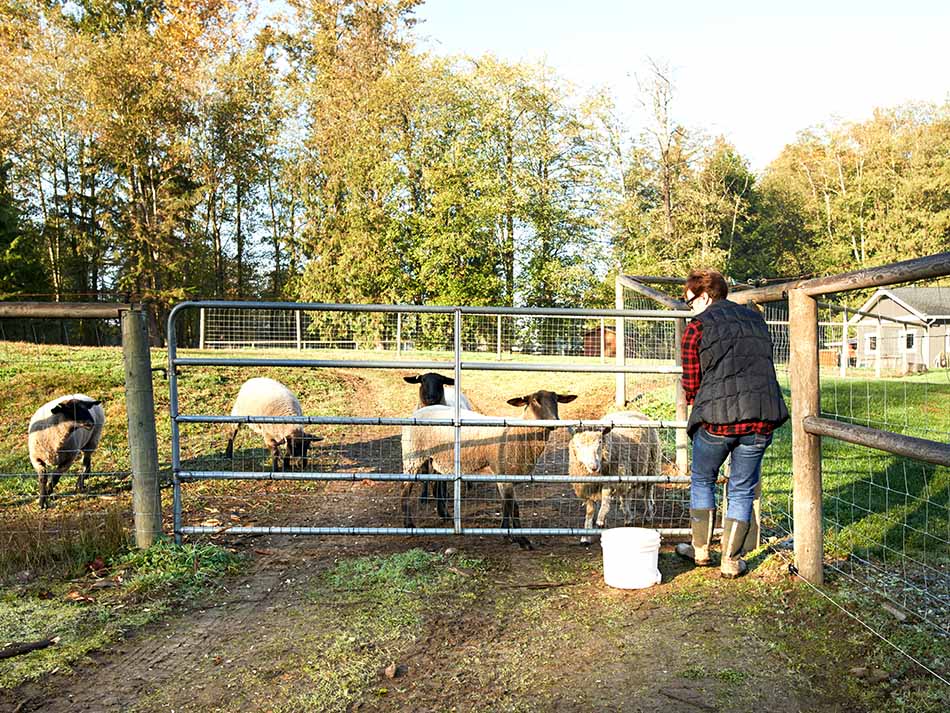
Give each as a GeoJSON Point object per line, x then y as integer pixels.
{"type": "Point", "coordinates": [709, 453]}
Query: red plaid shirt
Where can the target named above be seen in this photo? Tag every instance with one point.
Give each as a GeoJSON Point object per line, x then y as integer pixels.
{"type": "Point", "coordinates": [692, 375]}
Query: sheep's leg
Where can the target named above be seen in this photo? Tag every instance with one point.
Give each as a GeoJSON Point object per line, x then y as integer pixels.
{"type": "Point", "coordinates": [605, 496]}
{"type": "Point", "coordinates": [229, 451]}
{"type": "Point", "coordinates": [626, 505]}
{"type": "Point", "coordinates": [424, 495]}
{"type": "Point", "coordinates": [406, 501]}
{"type": "Point", "coordinates": [440, 491]}
{"type": "Point", "coordinates": [651, 502]}
{"type": "Point", "coordinates": [588, 521]}
{"type": "Point", "coordinates": [275, 457]}
{"type": "Point", "coordinates": [44, 495]}
{"type": "Point", "coordinates": [511, 515]}
{"type": "Point", "coordinates": [86, 469]}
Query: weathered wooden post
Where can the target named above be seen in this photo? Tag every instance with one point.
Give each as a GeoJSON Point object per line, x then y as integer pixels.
{"type": "Point", "coordinates": [806, 448]}
{"type": "Point", "coordinates": [498, 336]}
{"type": "Point", "coordinates": [298, 324]}
{"type": "Point", "coordinates": [925, 354]}
{"type": "Point", "coordinates": [621, 350]}
{"type": "Point", "coordinates": [398, 333]}
{"type": "Point", "coordinates": [140, 408]}
{"type": "Point", "coordinates": [603, 341]}
{"type": "Point", "coordinates": [201, 328]}
{"type": "Point", "coordinates": [843, 359]}
{"type": "Point", "coordinates": [879, 337]}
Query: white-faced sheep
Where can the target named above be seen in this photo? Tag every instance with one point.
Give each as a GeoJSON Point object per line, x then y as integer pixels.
{"type": "Point", "coordinates": [266, 397]}
{"type": "Point", "coordinates": [60, 430]}
{"type": "Point", "coordinates": [615, 451]}
{"type": "Point", "coordinates": [512, 450]}
{"type": "Point", "coordinates": [435, 389]}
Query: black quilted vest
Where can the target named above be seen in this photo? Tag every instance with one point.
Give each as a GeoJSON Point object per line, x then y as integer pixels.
{"type": "Point", "coordinates": [738, 377]}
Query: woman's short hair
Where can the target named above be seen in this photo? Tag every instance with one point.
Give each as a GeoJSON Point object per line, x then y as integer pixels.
{"type": "Point", "coordinates": [708, 282]}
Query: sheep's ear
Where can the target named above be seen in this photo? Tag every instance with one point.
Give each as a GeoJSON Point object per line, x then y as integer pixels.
{"type": "Point", "coordinates": [411, 379]}
{"type": "Point", "coordinates": [565, 398]}
{"type": "Point", "coordinates": [96, 403]}
{"type": "Point", "coordinates": [62, 406]}
{"type": "Point", "coordinates": [571, 431]}
{"type": "Point", "coordinates": [448, 381]}
{"type": "Point", "coordinates": [518, 401]}
{"type": "Point", "coordinates": [312, 437]}
{"type": "Point", "coordinates": [606, 430]}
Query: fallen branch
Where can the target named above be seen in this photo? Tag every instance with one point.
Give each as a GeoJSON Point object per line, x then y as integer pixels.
{"type": "Point", "coordinates": [8, 652]}
{"type": "Point", "coordinates": [538, 585]}
{"type": "Point", "coordinates": [682, 699]}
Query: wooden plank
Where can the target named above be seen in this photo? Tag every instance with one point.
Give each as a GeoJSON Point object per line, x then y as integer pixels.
{"type": "Point", "coordinates": [62, 310]}
{"type": "Point", "coordinates": [806, 447]}
{"type": "Point", "coordinates": [894, 443]}
{"type": "Point", "coordinates": [906, 271]}
{"type": "Point", "coordinates": [653, 294]}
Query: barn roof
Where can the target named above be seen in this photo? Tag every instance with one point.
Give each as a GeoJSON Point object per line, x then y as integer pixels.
{"type": "Point", "coordinates": [926, 303]}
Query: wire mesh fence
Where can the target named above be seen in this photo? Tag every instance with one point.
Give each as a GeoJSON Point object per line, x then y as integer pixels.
{"type": "Point", "coordinates": [75, 522]}
{"type": "Point", "coordinates": [883, 360]}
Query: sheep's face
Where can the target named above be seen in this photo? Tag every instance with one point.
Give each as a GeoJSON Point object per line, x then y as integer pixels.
{"type": "Point", "coordinates": [587, 449]}
{"type": "Point", "coordinates": [77, 411]}
{"type": "Point", "coordinates": [299, 447]}
{"type": "Point", "coordinates": [541, 405]}
{"type": "Point", "coordinates": [431, 387]}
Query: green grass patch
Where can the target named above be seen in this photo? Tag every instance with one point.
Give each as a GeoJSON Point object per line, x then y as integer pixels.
{"type": "Point", "coordinates": [142, 586]}
{"type": "Point", "coordinates": [381, 603]}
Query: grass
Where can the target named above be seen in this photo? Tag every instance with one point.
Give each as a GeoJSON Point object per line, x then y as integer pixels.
{"type": "Point", "coordinates": [381, 603]}
{"type": "Point", "coordinates": [142, 585]}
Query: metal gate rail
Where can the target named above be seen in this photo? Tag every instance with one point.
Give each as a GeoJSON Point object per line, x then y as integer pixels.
{"type": "Point", "coordinates": [177, 418]}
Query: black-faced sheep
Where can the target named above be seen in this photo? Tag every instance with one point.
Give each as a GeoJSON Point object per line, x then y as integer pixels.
{"type": "Point", "coordinates": [266, 397]}
{"type": "Point", "coordinates": [615, 451]}
{"type": "Point", "coordinates": [435, 389]}
{"type": "Point", "coordinates": [60, 430]}
{"type": "Point", "coordinates": [512, 450]}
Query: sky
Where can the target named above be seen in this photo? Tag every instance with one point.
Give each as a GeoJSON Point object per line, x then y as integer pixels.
{"type": "Point", "coordinates": [755, 76]}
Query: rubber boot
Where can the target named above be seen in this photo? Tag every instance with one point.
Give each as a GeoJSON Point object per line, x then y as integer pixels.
{"type": "Point", "coordinates": [701, 522]}
{"type": "Point", "coordinates": [733, 538]}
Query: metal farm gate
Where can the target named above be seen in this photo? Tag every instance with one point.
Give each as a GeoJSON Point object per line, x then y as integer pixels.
{"type": "Point", "coordinates": [469, 342]}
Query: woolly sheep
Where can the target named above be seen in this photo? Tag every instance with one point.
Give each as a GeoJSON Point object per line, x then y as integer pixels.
{"type": "Point", "coordinates": [615, 451]}
{"type": "Point", "coordinates": [266, 397]}
{"type": "Point", "coordinates": [60, 430]}
{"type": "Point", "coordinates": [435, 389]}
{"type": "Point", "coordinates": [512, 450]}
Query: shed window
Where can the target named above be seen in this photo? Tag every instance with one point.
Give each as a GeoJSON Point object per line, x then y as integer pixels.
{"type": "Point", "coordinates": [910, 341]}
{"type": "Point", "coordinates": [872, 343]}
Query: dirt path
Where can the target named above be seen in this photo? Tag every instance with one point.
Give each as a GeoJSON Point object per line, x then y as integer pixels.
{"type": "Point", "coordinates": [533, 631]}
{"type": "Point", "coordinates": [523, 646]}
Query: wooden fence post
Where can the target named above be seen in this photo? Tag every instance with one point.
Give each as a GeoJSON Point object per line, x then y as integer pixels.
{"type": "Point", "coordinates": [879, 336]}
{"type": "Point", "coordinates": [143, 448]}
{"type": "Point", "coordinates": [806, 448]}
{"type": "Point", "coordinates": [621, 396]}
{"type": "Point", "coordinates": [845, 352]}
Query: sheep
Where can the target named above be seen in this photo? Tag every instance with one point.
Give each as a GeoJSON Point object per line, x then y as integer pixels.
{"type": "Point", "coordinates": [621, 451]}
{"type": "Point", "coordinates": [59, 431]}
{"type": "Point", "coordinates": [436, 389]}
{"type": "Point", "coordinates": [266, 397]}
{"type": "Point", "coordinates": [512, 450]}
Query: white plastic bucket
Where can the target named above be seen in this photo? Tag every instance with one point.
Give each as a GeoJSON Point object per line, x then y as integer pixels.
{"type": "Point", "coordinates": [630, 557]}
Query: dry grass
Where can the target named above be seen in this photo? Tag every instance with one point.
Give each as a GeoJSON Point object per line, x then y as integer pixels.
{"type": "Point", "coordinates": [59, 544]}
